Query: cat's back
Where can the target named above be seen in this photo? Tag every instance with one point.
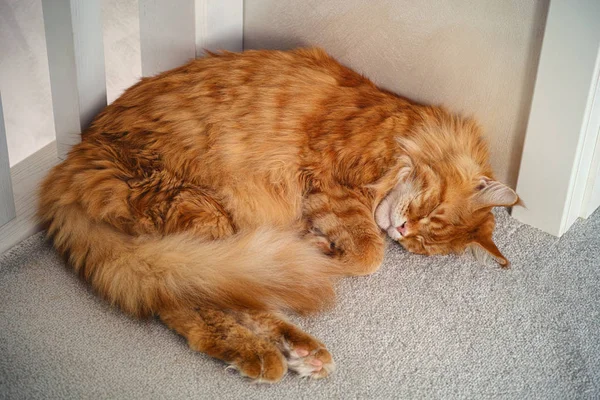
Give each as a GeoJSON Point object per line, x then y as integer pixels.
{"type": "Point", "coordinates": [303, 66]}
{"type": "Point", "coordinates": [255, 85]}
{"type": "Point", "coordinates": [258, 72]}
{"type": "Point", "coordinates": [253, 111]}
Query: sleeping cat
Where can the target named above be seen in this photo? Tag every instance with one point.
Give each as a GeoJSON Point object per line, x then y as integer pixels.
{"type": "Point", "coordinates": [238, 186]}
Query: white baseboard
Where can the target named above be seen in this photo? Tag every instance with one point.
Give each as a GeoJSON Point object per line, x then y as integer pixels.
{"type": "Point", "coordinates": [26, 178]}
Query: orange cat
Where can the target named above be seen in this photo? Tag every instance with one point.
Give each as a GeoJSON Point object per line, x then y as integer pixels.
{"type": "Point", "coordinates": [239, 185]}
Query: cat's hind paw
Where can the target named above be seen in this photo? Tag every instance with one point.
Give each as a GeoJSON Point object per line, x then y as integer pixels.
{"type": "Point", "coordinates": [268, 367]}
{"type": "Point", "coordinates": [314, 364]}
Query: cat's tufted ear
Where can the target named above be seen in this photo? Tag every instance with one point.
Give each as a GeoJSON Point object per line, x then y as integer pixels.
{"type": "Point", "coordinates": [491, 193]}
{"type": "Point", "coordinates": [482, 245]}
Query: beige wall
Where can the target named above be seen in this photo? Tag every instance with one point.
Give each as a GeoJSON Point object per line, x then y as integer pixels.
{"type": "Point", "coordinates": [475, 57]}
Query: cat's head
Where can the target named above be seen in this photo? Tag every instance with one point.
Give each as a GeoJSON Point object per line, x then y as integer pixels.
{"type": "Point", "coordinates": [442, 203]}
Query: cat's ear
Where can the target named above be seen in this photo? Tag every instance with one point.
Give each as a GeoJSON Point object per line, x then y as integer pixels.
{"type": "Point", "coordinates": [483, 246]}
{"type": "Point", "coordinates": [491, 193]}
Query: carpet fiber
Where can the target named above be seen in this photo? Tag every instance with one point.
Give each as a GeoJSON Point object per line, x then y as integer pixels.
{"type": "Point", "coordinates": [422, 327]}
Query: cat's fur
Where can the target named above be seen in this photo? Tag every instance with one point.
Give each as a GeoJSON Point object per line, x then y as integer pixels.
{"type": "Point", "coordinates": [239, 185]}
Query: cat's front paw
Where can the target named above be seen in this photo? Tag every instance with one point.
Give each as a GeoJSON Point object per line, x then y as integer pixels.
{"type": "Point", "coordinates": [318, 239]}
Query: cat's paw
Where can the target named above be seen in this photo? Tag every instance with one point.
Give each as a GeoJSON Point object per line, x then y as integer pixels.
{"type": "Point", "coordinates": [267, 367]}
{"type": "Point", "coordinates": [305, 355]}
{"type": "Point", "coordinates": [314, 364]}
{"type": "Point", "coordinates": [318, 239]}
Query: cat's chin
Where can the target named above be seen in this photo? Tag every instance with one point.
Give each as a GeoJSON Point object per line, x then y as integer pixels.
{"type": "Point", "coordinates": [393, 233]}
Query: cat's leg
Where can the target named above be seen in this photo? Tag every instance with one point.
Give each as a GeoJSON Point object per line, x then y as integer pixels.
{"type": "Point", "coordinates": [165, 205]}
{"type": "Point", "coordinates": [344, 227]}
{"type": "Point", "coordinates": [196, 210]}
{"type": "Point", "coordinates": [305, 355]}
{"type": "Point", "coordinates": [220, 335]}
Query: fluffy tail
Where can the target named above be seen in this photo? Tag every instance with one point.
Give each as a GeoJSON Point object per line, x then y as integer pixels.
{"type": "Point", "coordinates": [265, 269]}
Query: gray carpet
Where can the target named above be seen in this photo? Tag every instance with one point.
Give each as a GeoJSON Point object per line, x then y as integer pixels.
{"type": "Point", "coordinates": [437, 327]}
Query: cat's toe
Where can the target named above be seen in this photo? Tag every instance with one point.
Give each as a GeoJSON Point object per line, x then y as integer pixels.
{"type": "Point", "coordinates": [268, 367]}
{"type": "Point", "coordinates": [315, 364]}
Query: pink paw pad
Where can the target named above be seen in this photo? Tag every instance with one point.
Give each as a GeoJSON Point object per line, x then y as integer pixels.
{"type": "Point", "coordinates": [301, 352]}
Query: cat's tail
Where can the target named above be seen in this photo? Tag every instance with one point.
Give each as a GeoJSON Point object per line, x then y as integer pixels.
{"type": "Point", "coordinates": [264, 270]}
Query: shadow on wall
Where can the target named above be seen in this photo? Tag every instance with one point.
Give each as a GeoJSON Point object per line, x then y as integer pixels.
{"type": "Point", "coordinates": [274, 42]}
{"type": "Point", "coordinates": [531, 66]}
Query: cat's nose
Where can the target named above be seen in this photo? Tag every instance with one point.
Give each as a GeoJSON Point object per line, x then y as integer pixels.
{"type": "Point", "coordinates": [402, 229]}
